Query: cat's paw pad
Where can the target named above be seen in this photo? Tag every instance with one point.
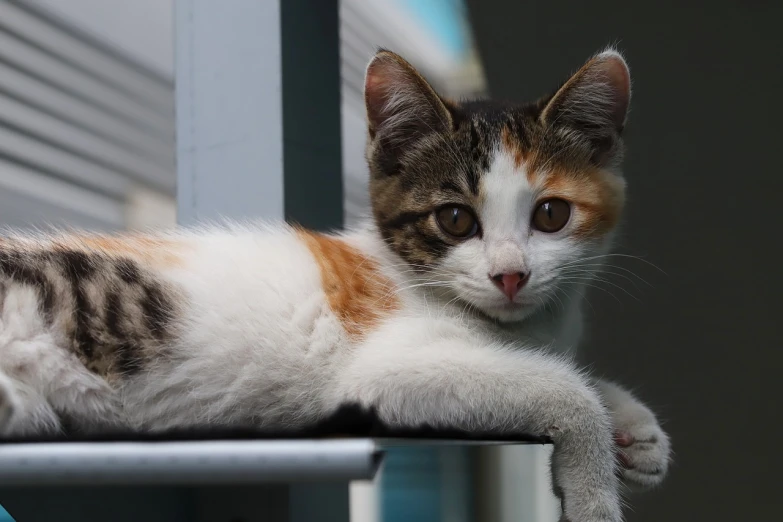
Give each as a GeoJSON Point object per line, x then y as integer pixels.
{"type": "Point", "coordinates": [644, 453]}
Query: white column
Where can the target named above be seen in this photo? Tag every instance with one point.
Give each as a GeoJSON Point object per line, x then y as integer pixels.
{"type": "Point", "coordinates": [514, 484]}
{"type": "Point", "coordinates": [229, 109]}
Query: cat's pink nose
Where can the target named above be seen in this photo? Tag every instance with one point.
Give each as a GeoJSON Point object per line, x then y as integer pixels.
{"type": "Point", "coordinates": [510, 284]}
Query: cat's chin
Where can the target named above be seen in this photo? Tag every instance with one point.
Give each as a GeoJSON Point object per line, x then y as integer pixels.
{"type": "Point", "coordinates": [509, 312]}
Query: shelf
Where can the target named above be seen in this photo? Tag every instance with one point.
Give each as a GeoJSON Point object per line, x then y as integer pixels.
{"type": "Point", "coordinates": [402, 442]}
{"type": "Point", "coordinates": [187, 463]}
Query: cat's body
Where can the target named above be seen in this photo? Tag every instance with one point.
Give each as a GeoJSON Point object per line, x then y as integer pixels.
{"type": "Point", "coordinates": [150, 320]}
{"type": "Point", "coordinates": [452, 310]}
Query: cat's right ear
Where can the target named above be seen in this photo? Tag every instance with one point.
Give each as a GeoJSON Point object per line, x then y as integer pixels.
{"type": "Point", "coordinates": [401, 105]}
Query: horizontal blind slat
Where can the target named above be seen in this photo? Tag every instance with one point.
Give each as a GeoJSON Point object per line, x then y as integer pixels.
{"type": "Point", "coordinates": [66, 106]}
{"type": "Point", "coordinates": [45, 32]}
{"type": "Point", "coordinates": [31, 183]}
{"type": "Point", "coordinates": [58, 73]}
{"type": "Point", "coordinates": [37, 123]}
{"type": "Point", "coordinates": [62, 164]}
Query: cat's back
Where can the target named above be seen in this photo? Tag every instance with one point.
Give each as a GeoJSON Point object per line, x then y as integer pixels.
{"type": "Point", "coordinates": [292, 290]}
{"type": "Point", "coordinates": [116, 301]}
{"type": "Point", "coordinates": [100, 299]}
{"type": "Point", "coordinates": [123, 302]}
{"type": "Point", "coordinates": [259, 287]}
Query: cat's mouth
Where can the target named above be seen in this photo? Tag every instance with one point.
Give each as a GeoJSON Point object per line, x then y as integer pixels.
{"type": "Point", "coordinates": [496, 306]}
{"type": "Point", "coordinates": [510, 310]}
{"type": "Point", "coordinates": [512, 305]}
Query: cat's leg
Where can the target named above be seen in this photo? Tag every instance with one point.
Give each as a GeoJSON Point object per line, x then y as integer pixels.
{"type": "Point", "coordinates": [428, 371]}
{"type": "Point", "coordinates": [44, 384]}
{"type": "Point", "coordinates": [9, 402]}
{"type": "Point", "coordinates": [34, 402]}
{"type": "Point", "coordinates": [643, 447]}
{"type": "Point", "coordinates": [41, 382]}
{"type": "Point", "coordinates": [24, 411]}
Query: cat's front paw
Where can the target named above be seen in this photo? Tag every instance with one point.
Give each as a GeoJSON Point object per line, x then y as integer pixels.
{"type": "Point", "coordinates": [644, 454]}
{"type": "Point", "coordinates": [643, 448]}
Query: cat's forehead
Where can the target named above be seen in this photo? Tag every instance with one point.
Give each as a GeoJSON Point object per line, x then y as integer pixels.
{"type": "Point", "coordinates": [488, 141]}
{"type": "Point", "coordinates": [488, 126]}
{"type": "Point", "coordinates": [490, 120]}
{"type": "Point", "coordinates": [493, 111]}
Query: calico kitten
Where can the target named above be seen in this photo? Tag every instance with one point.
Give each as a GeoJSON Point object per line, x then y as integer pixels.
{"type": "Point", "coordinates": [440, 311]}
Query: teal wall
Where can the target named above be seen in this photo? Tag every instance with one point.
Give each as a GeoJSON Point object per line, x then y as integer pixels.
{"type": "Point", "coordinates": [4, 516]}
{"type": "Point", "coordinates": [424, 484]}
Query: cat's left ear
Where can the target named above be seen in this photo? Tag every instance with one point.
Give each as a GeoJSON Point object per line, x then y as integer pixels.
{"type": "Point", "coordinates": [595, 100]}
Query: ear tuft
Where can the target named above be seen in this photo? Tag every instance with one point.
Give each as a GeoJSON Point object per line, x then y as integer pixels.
{"type": "Point", "coordinates": [400, 104]}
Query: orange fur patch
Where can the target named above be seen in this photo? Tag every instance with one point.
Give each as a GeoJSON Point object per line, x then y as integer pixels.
{"type": "Point", "coordinates": [357, 292]}
{"type": "Point", "coordinates": [513, 146]}
{"type": "Point", "coordinates": [147, 249]}
{"type": "Point", "coordinates": [598, 196]}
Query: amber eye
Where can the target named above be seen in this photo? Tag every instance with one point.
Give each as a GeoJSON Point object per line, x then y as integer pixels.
{"type": "Point", "coordinates": [551, 215]}
{"type": "Point", "coordinates": [457, 221]}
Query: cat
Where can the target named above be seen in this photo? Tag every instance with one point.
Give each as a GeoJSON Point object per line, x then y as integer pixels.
{"type": "Point", "coordinates": [452, 307]}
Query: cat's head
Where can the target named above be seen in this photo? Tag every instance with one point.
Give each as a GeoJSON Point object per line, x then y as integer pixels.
{"type": "Point", "coordinates": [501, 204]}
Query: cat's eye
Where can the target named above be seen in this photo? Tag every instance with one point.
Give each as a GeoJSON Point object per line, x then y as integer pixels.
{"type": "Point", "coordinates": [551, 215]}
{"type": "Point", "coordinates": [457, 221]}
